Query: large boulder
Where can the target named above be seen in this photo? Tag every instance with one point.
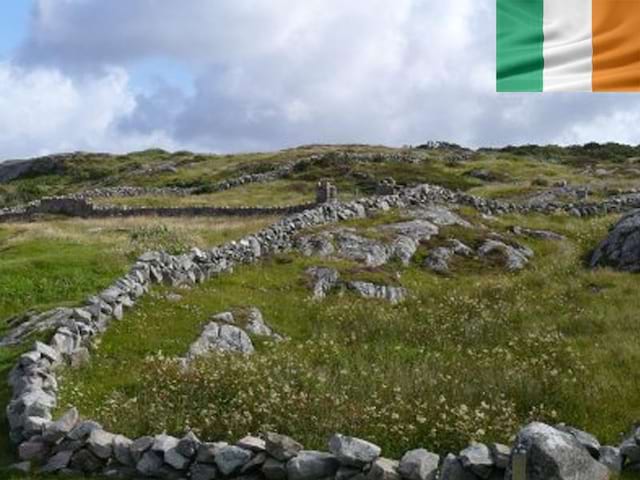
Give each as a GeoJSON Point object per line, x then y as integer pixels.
{"type": "Point", "coordinates": [553, 454]}
{"type": "Point", "coordinates": [621, 248]}
{"type": "Point", "coordinates": [221, 338]}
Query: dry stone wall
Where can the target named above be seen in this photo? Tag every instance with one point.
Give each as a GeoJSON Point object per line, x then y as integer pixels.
{"type": "Point", "coordinates": [73, 445]}
{"type": "Point", "coordinates": [83, 208]}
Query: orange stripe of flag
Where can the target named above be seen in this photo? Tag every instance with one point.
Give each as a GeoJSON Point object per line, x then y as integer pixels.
{"type": "Point", "coordinates": [616, 45]}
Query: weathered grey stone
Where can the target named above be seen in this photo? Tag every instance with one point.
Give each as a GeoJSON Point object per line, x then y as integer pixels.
{"type": "Point", "coordinates": [37, 403]}
{"type": "Point", "coordinates": [224, 317]}
{"type": "Point", "coordinates": [199, 471]}
{"type": "Point", "coordinates": [207, 451]}
{"type": "Point", "coordinates": [101, 443]}
{"type": "Point", "coordinates": [323, 279]}
{"type": "Point", "coordinates": [611, 458]}
{"type": "Point", "coordinates": [35, 426]}
{"type": "Point", "coordinates": [438, 215]}
{"type": "Point", "coordinates": [630, 450]}
{"type": "Point", "coordinates": [175, 459]}
{"type": "Point", "coordinates": [555, 454]}
{"type": "Point", "coordinates": [58, 462]}
{"type": "Point", "coordinates": [188, 445]}
{"type": "Point", "coordinates": [477, 458]}
{"type": "Point", "coordinates": [230, 459]}
{"type": "Point", "coordinates": [364, 250]}
{"type": "Point", "coordinates": [222, 338]}
{"type": "Point", "coordinates": [281, 447]}
{"type": "Point", "coordinates": [384, 469]}
{"type": "Point", "coordinates": [353, 451]}
{"type": "Point", "coordinates": [33, 450]}
{"type": "Point", "coordinates": [312, 465]}
{"type": "Point", "coordinates": [256, 325]}
{"type": "Point", "coordinates": [437, 260]}
{"type": "Point", "coordinates": [590, 442]}
{"type": "Point", "coordinates": [60, 428]}
{"type": "Point", "coordinates": [383, 292]}
{"type": "Point", "coordinates": [122, 450]}
{"type": "Point", "coordinates": [47, 352]}
{"type": "Point", "coordinates": [163, 443]}
{"type": "Point", "coordinates": [139, 446]}
{"type": "Point", "coordinates": [83, 429]}
{"type": "Point", "coordinates": [459, 248]}
{"type": "Point", "coordinates": [30, 358]}
{"type": "Point", "coordinates": [255, 463]}
{"type": "Point", "coordinates": [273, 469]}
{"type": "Point", "coordinates": [419, 464]}
{"type": "Point", "coordinates": [150, 463]}
{"type": "Point", "coordinates": [86, 461]}
{"type": "Point", "coordinates": [254, 444]}
{"type": "Point", "coordinates": [68, 445]}
{"type": "Point", "coordinates": [515, 258]}
{"type": "Point", "coordinates": [621, 248]}
{"type": "Point", "coordinates": [316, 245]}
{"type": "Point", "coordinates": [500, 454]}
{"type": "Point", "coordinates": [452, 469]}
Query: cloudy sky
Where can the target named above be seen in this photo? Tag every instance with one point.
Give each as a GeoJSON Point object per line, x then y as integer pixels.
{"type": "Point", "coordinates": [238, 75]}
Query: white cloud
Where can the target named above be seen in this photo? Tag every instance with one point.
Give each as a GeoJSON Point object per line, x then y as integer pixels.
{"type": "Point", "coordinates": [44, 111]}
{"type": "Point", "coordinates": [267, 74]}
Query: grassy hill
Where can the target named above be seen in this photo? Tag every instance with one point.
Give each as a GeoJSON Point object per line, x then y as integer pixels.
{"type": "Point", "coordinates": [470, 355]}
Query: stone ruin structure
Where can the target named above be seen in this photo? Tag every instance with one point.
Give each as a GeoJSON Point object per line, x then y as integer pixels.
{"type": "Point", "coordinates": [326, 192]}
{"type": "Point", "coordinates": [73, 207]}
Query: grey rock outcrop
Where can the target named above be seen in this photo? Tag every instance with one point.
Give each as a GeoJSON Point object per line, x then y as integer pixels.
{"type": "Point", "coordinates": [323, 279]}
{"type": "Point", "coordinates": [621, 248]}
{"type": "Point", "coordinates": [221, 338]}
{"type": "Point", "coordinates": [381, 292]}
{"type": "Point", "coordinates": [514, 257]}
{"type": "Point", "coordinates": [352, 246]}
{"type": "Point", "coordinates": [552, 453]}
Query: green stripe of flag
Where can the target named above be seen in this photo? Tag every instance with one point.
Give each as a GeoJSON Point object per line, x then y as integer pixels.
{"type": "Point", "coordinates": [519, 57]}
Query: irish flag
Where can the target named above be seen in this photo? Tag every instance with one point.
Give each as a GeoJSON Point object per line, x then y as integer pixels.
{"type": "Point", "coordinates": [568, 45]}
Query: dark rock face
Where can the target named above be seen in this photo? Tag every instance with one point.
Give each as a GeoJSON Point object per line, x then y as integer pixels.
{"type": "Point", "coordinates": [621, 248]}
{"type": "Point", "coordinates": [14, 169]}
{"type": "Point", "coordinates": [553, 454]}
